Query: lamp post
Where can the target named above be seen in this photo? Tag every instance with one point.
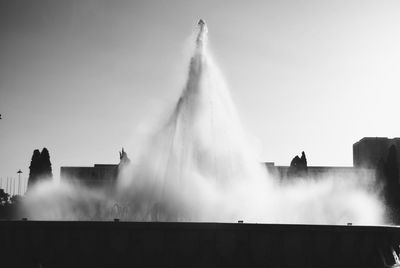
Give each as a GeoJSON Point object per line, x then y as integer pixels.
{"type": "Point", "coordinates": [19, 181]}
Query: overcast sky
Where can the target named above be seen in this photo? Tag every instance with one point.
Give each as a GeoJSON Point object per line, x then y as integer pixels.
{"type": "Point", "coordinates": [80, 77]}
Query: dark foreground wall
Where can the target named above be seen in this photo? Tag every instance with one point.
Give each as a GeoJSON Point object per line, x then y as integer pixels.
{"type": "Point", "coordinates": [206, 245]}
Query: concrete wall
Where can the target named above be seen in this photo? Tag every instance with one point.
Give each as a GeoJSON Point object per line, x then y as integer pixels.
{"type": "Point", "coordinates": [205, 245]}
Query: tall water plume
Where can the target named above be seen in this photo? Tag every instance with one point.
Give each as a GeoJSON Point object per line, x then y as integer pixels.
{"type": "Point", "coordinates": [197, 166]}
{"type": "Point", "coordinates": [200, 145]}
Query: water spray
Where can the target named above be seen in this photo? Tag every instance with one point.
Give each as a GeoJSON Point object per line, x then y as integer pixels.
{"type": "Point", "coordinates": [198, 166]}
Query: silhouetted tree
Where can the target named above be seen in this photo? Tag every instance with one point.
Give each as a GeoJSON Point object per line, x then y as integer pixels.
{"type": "Point", "coordinates": [40, 167]}
{"type": "Point", "coordinates": [4, 205]}
{"type": "Point", "coordinates": [45, 164]}
{"type": "Point", "coordinates": [9, 206]}
{"type": "Point", "coordinates": [295, 161]}
{"type": "Point", "coordinates": [298, 166]}
{"type": "Point", "coordinates": [34, 168]}
{"type": "Point", "coordinates": [16, 199]}
{"type": "Point", "coordinates": [4, 197]}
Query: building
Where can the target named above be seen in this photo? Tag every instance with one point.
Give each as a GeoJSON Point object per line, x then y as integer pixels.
{"type": "Point", "coordinates": [100, 175]}
{"type": "Point", "coordinates": [319, 172]}
{"type": "Point", "coordinates": [368, 152]}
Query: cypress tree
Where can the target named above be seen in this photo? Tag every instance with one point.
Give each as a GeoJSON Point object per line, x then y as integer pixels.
{"type": "Point", "coordinates": [45, 164]}
{"type": "Point", "coordinates": [40, 167]}
{"type": "Point", "coordinates": [34, 168]}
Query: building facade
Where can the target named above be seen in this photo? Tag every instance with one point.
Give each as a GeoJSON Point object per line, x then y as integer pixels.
{"type": "Point", "coordinates": [100, 175]}
{"type": "Point", "coordinates": [321, 172]}
{"type": "Point", "coordinates": [368, 152]}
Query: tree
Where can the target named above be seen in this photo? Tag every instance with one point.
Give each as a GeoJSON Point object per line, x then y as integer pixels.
{"type": "Point", "coordinates": [4, 197]}
{"type": "Point", "coordinates": [40, 167]}
{"type": "Point", "coordinates": [16, 199]}
{"type": "Point", "coordinates": [45, 164]}
{"type": "Point", "coordinates": [4, 204]}
{"type": "Point", "coordinates": [34, 168]}
{"type": "Point", "coordinates": [298, 166]}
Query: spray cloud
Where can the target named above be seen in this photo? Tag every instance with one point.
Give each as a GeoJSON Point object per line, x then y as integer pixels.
{"type": "Point", "coordinates": [197, 166]}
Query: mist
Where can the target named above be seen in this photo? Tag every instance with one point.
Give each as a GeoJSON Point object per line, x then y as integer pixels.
{"type": "Point", "coordinates": [197, 164]}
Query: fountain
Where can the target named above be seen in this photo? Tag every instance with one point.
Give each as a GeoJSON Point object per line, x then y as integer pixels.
{"type": "Point", "coordinates": [197, 166]}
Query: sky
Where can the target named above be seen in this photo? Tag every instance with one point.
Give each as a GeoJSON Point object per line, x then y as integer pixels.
{"type": "Point", "coordinates": [82, 77]}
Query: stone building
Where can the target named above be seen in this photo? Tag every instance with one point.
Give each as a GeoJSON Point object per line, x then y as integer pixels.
{"type": "Point", "coordinates": [366, 155]}
{"type": "Point", "coordinates": [320, 172]}
{"type": "Point", "coordinates": [100, 175]}
{"type": "Point", "coordinates": [369, 151]}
